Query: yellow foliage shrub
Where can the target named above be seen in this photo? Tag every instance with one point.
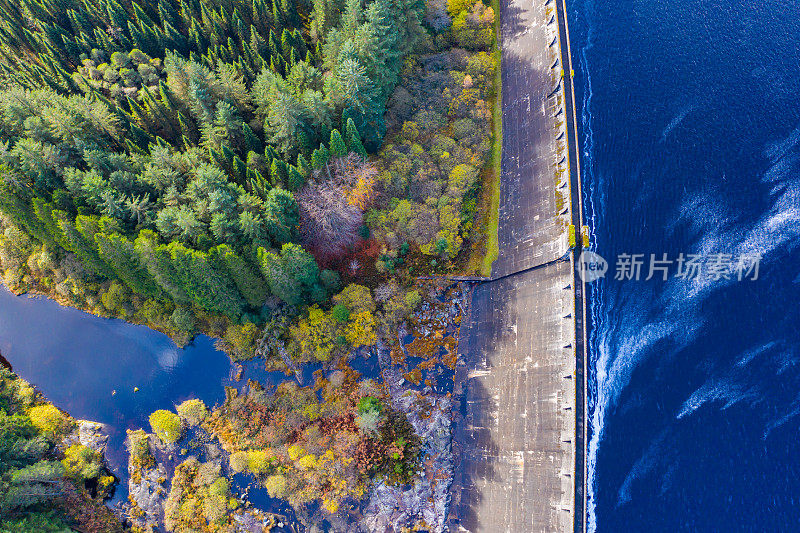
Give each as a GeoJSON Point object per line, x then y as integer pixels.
{"type": "Point", "coordinates": [295, 452]}
{"type": "Point", "coordinates": [454, 7]}
{"type": "Point", "coordinates": [308, 462]}
{"type": "Point", "coordinates": [48, 418]}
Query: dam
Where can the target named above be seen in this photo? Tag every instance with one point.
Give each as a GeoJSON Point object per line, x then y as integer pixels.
{"type": "Point", "coordinates": [520, 383]}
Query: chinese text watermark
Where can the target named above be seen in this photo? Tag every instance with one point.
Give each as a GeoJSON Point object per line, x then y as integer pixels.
{"type": "Point", "coordinates": [636, 267]}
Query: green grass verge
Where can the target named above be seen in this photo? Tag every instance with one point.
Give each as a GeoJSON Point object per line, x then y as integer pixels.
{"type": "Point", "coordinates": [492, 244]}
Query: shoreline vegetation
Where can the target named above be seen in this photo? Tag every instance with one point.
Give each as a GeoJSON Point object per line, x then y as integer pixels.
{"type": "Point", "coordinates": [52, 475]}
{"type": "Point", "coordinates": [275, 174]}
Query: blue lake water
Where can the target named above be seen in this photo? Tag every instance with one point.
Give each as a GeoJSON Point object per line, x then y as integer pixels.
{"type": "Point", "coordinates": [690, 129]}
{"type": "Point", "coordinates": [89, 366]}
{"type": "Point", "coordinates": [78, 360]}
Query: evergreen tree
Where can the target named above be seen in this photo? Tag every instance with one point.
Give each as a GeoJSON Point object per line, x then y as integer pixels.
{"type": "Point", "coordinates": [338, 148]}
{"type": "Point", "coordinates": [278, 172]}
{"type": "Point", "coordinates": [44, 212]}
{"type": "Point", "coordinates": [119, 253]}
{"type": "Point", "coordinates": [206, 285]}
{"type": "Point", "coordinates": [320, 157]}
{"type": "Point", "coordinates": [292, 275]}
{"type": "Point", "coordinates": [159, 264]}
{"type": "Point", "coordinates": [250, 282]}
{"type": "Point", "coordinates": [289, 12]}
{"type": "Point", "coordinates": [281, 216]}
{"type": "Point", "coordinates": [296, 179]}
{"type": "Point", "coordinates": [79, 235]}
{"type": "Point", "coordinates": [14, 204]}
{"type": "Point", "coordinates": [303, 166]}
{"type": "Point", "coordinates": [353, 139]}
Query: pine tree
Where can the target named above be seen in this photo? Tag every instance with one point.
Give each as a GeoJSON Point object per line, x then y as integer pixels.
{"type": "Point", "coordinates": [207, 286]}
{"type": "Point", "coordinates": [159, 264]}
{"type": "Point", "coordinates": [303, 166]}
{"type": "Point", "coordinates": [320, 157]}
{"type": "Point", "coordinates": [296, 179]}
{"type": "Point", "coordinates": [286, 43]}
{"type": "Point", "coordinates": [251, 141]}
{"type": "Point", "coordinates": [338, 148]}
{"type": "Point", "coordinates": [119, 253]}
{"type": "Point", "coordinates": [289, 12]}
{"type": "Point", "coordinates": [292, 275]}
{"type": "Point", "coordinates": [278, 172]}
{"type": "Point", "coordinates": [249, 281]}
{"type": "Point", "coordinates": [14, 204]}
{"type": "Point", "coordinates": [79, 234]}
{"type": "Point", "coordinates": [44, 212]}
{"type": "Point", "coordinates": [282, 216]}
{"type": "Point", "coordinates": [239, 170]}
{"type": "Point", "coordinates": [353, 139]}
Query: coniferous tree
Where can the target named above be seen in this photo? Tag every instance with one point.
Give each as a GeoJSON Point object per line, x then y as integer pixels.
{"type": "Point", "coordinates": [281, 216]}
{"type": "Point", "coordinates": [248, 280]}
{"type": "Point", "coordinates": [303, 166]}
{"type": "Point", "coordinates": [296, 179]}
{"type": "Point", "coordinates": [159, 264]}
{"type": "Point", "coordinates": [44, 212]}
{"type": "Point", "coordinates": [320, 157]}
{"type": "Point", "coordinates": [79, 235]}
{"type": "Point", "coordinates": [292, 275]}
{"type": "Point", "coordinates": [206, 285]}
{"type": "Point", "coordinates": [119, 253]}
{"type": "Point", "coordinates": [149, 80]}
{"type": "Point", "coordinates": [278, 172]}
{"type": "Point", "coordinates": [353, 139]}
{"type": "Point", "coordinates": [16, 206]}
{"type": "Point", "coordinates": [338, 148]}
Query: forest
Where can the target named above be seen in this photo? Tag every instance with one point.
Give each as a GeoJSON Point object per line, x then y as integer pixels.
{"type": "Point", "coordinates": [48, 482]}
{"type": "Point", "coordinates": [273, 173]}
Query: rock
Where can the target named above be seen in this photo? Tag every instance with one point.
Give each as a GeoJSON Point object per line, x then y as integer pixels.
{"type": "Point", "coordinates": [90, 434]}
{"type": "Point", "coordinates": [93, 435]}
{"type": "Point", "coordinates": [253, 521]}
{"type": "Point", "coordinates": [145, 506]}
{"type": "Point", "coordinates": [425, 504]}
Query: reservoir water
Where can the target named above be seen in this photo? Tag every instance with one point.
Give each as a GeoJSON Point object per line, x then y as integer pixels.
{"type": "Point", "coordinates": [690, 133]}
{"type": "Point", "coordinates": [89, 366]}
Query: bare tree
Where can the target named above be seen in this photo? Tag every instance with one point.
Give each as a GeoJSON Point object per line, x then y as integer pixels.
{"type": "Point", "coordinates": [328, 223]}
{"type": "Point", "coordinates": [331, 208]}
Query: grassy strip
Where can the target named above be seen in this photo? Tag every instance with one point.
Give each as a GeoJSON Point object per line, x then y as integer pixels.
{"type": "Point", "coordinates": [492, 244]}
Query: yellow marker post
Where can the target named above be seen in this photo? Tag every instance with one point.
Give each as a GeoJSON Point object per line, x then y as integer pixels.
{"type": "Point", "coordinates": [572, 73]}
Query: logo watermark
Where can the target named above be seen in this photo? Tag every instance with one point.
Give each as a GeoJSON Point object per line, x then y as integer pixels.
{"type": "Point", "coordinates": [636, 267]}
{"type": "Point", "coordinates": [592, 266]}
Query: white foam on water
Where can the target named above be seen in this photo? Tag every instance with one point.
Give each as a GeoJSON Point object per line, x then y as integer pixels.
{"type": "Point", "coordinates": [752, 354]}
{"type": "Point", "coordinates": [641, 337]}
{"type": "Point", "coordinates": [682, 114]}
{"type": "Point", "coordinates": [652, 457]}
{"type": "Point", "coordinates": [779, 149]}
{"type": "Point", "coordinates": [794, 410]}
{"type": "Point", "coordinates": [620, 345]}
{"type": "Point", "coordinates": [731, 388]}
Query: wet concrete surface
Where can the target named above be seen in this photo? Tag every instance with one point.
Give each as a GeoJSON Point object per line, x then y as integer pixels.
{"type": "Point", "coordinates": [515, 383]}
{"type": "Point", "coordinates": [517, 420]}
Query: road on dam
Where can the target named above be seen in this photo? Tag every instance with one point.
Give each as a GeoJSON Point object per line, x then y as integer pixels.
{"type": "Point", "coordinates": [518, 432]}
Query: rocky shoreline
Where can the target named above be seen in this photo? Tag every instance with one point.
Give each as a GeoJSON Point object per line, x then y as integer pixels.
{"type": "Point", "coordinates": [423, 505]}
